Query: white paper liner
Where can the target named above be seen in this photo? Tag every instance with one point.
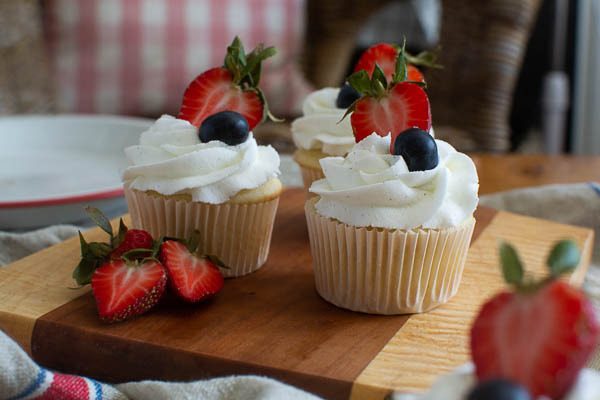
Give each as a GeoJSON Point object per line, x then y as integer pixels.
{"type": "Point", "coordinates": [239, 234]}
{"type": "Point", "coordinates": [383, 271]}
{"type": "Point", "coordinates": [309, 175]}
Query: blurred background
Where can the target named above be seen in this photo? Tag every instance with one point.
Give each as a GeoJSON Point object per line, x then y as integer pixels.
{"type": "Point", "coordinates": [520, 75]}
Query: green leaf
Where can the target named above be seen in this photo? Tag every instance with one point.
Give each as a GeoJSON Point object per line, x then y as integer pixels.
{"type": "Point", "coordinates": [401, 73]}
{"type": "Point", "coordinates": [360, 81]}
{"type": "Point", "coordinates": [117, 240]}
{"type": "Point", "coordinates": [85, 249]}
{"type": "Point", "coordinates": [84, 271]}
{"type": "Point", "coordinates": [512, 268]}
{"type": "Point", "coordinates": [194, 241]}
{"type": "Point", "coordinates": [425, 59]}
{"type": "Point", "coordinates": [100, 220]}
{"type": "Point", "coordinates": [215, 260]}
{"type": "Point", "coordinates": [99, 250]}
{"type": "Point", "coordinates": [378, 78]}
{"type": "Point", "coordinates": [255, 59]}
{"type": "Point", "coordinates": [266, 111]}
{"type": "Point", "coordinates": [564, 257]}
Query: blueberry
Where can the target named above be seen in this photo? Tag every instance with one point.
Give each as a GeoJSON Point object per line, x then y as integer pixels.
{"type": "Point", "coordinates": [346, 97]}
{"type": "Point", "coordinates": [499, 389]}
{"type": "Point", "coordinates": [418, 149]}
{"type": "Point", "coordinates": [227, 126]}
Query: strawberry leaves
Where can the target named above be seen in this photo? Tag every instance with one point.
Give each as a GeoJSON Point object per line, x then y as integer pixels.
{"type": "Point", "coordinates": [563, 257]}
{"type": "Point", "coordinates": [246, 69]}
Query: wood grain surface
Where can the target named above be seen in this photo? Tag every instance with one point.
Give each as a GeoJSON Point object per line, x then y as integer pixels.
{"type": "Point", "coordinates": [271, 322]}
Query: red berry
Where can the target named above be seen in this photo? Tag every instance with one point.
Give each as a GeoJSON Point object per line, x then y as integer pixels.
{"type": "Point", "coordinates": [405, 106]}
{"type": "Point", "coordinates": [214, 91]}
{"type": "Point", "coordinates": [385, 56]}
{"type": "Point", "coordinates": [134, 239]}
{"type": "Point", "coordinates": [193, 278]}
{"type": "Point", "coordinates": [539, 339]}
{"type": "Point", "coordinates": [125, 290]}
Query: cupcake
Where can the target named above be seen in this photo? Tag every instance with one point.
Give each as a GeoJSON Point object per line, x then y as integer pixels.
{"type": "Point", "coordinates": [322, 130]}
{"type": "Point", "coordinates": [205, 171]}
{"type": "Point", "coordinates": [392, 221]}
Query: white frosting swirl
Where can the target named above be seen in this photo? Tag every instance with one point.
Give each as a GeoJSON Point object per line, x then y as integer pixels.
{"type": "Point", "coordinates": [170, 159]}
{"type": "Point", "coordinates": [371, 187]}
{"type": "Point", "coordinates": [458, 384]}
{"type": "Point", "coordinates": [320, 126]}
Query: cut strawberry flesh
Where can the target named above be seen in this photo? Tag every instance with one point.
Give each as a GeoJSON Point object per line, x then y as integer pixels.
{"type": "Point", "coordinates": [122, 291]}
{"type": "Point", "coordinates": [406, 106]}
{"type": "Point", "coordinates": [214, 91]}
{"type": "Point", "coordinates": [192, 278]}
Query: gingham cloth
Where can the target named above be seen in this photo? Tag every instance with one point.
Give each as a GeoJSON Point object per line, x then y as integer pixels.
{"type": "Point", "coordinates": [137, 57]}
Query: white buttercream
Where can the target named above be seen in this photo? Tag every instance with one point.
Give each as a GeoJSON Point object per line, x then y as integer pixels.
{"type": "Point", "coordinates": [371, 187]}
{"type": "Point", "coordinates": [171, 159]}
{"type": "Point", "coordinates": [457, 385]}
{"type": "Point", "coordinates": [320, 127]}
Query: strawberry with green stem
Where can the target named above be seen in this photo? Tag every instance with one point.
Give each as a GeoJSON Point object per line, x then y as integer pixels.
{"type": "Point", "coordinates": [385, 55]}
{"type": "Point", "coordinates": [388, 107]}
{"type": "Point", "coordinates": [540, 334]}
{"type": "Point", "coordinates": [95, 254]}
{"type": "Point", "coordinates": [232, 87]}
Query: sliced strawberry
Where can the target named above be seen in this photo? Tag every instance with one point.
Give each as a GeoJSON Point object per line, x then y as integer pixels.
{"type": "Point", "coordinates": [232, 87]}
{"type": "Point", "coordinates": [214, 91]}
{"type": "Point", "coordinates": [192, 277]}
{"type": "Point", "coordinates": [414, 75]}
{"type": "Point", "coordinates": [405, 106]}
{"type": "Point", "coordinates": [540, 335]}
{"type": "Point", "coordinates": [124, 290]}
{"type": "Point", "coordinates": [383, 54]}
{"type": "Point", "coordinates": [134, 239]}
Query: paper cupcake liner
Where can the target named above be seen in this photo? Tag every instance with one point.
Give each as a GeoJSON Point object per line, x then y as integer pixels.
{"type": "Point", "coordinates": [239, 234]}
{"type": "Point", "coordinates": [309, 175]}
{"type": "Point", "coordinates": [382, 271]}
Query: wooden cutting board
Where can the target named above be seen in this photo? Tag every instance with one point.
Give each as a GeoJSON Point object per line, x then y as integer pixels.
{"type": "Point", "coordinates": [271, 322]}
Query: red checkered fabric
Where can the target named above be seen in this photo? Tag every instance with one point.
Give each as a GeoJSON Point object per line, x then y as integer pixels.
{"type": "Point", "coordinates": [136, 57]}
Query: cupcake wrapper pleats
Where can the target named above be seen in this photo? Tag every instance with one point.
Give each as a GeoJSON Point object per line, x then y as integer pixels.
{"type": "Point", "coordinates": [309, 175]}
{"type": "Point", "coordinates": [382, 271]}
{"type": "Point", "coordinates": [239, 234]}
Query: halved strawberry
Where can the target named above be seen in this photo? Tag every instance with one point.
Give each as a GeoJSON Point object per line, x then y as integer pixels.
{"type": "Point", "coordinates": [388, 107]}
{"type": "Point", "coordinates": [541, 334]}
{"type": "Point", "coordinates": [385, 55]}
{"type": "Point", "coordinates": [192, 277]}
{"type": "Point", "coordinates": [405, 106]}
{"type": "Point", "coordinates": [126, 289]}
{"type": "Point", "coordinates": [233, 87]}
{"type": "Point", "coordinates": [134, 239]}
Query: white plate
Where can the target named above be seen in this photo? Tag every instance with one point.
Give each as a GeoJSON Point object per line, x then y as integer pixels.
{"type": "Point", "coordinates": [51, 167]}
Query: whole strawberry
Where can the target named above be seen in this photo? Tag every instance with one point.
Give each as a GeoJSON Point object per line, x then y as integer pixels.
{"type": "Point", "coordinates": [540, 334]}
{"type": "Point", "coordinates": [193, 277]}
{"type": "Point", "coordinates": [388, 106]}
{"type": "Point", "coordinates": [95, 254]}
{"type": "Point", "coordinates": [124, 289]}
{"type": "Point", "coordinates": [232, 87]}
{"type": "Point", "coordinates": [133, 239]}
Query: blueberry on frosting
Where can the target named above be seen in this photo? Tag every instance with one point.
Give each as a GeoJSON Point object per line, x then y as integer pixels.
{"type": "Point", "coordinates": [418, 148]}
{"type": "Point", "coordinates": [228, 127]}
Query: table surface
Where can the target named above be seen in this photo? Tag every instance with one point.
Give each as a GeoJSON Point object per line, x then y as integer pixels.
{"type": "Point", "coordinates": [499, 172]}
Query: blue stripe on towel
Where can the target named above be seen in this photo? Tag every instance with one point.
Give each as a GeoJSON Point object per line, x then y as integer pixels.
{"type": "Point", "coordinates": [33, 387]}
{"type": "Point", "coordinates": [98, 389]}
{"type": "Point", "coordinates": [595, 187]}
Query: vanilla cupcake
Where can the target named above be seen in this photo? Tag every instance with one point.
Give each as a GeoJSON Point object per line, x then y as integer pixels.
{"type": "Point", "coordinates": [177, 183]}
{"type": "Point", "coordinates": [321, 131]}
{"type": "Point", "coordinates": [389, 233]}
